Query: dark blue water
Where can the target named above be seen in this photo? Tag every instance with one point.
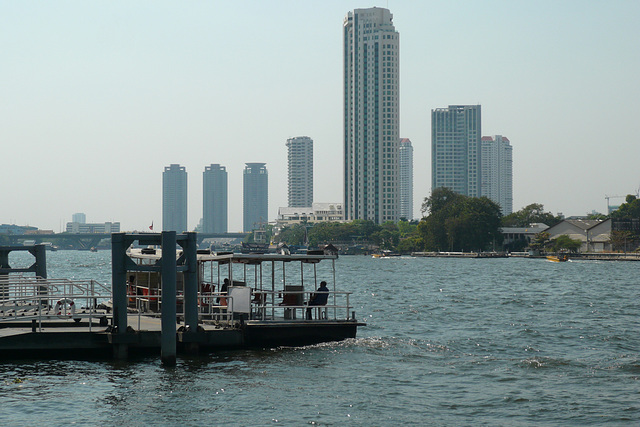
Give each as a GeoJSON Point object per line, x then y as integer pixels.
{"type": "Point", "coordinates": [447, 342]}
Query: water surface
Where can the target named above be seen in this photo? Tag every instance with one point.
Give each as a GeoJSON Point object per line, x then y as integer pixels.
{"type": "Point", "coordinates": [447, 342]}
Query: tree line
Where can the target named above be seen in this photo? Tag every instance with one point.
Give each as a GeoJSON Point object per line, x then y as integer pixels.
{"type": "Point", "coordinates": [450, 222]}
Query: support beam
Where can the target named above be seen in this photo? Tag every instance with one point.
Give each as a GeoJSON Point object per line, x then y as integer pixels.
{"type": "Point", "coordinates": [119, 281]}
{"type": "Point", "coordinates": [168, 320]}
{"type": "Point", "coordinates": [189, 246]}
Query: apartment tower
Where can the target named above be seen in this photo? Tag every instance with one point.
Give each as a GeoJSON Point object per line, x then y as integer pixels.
{"type": "Point", "coordinates": [406, 179]}
{"type": "Point", "coordinates": [371, 134]}
{"type": "Point", "coordinates": [214, 199]}
{"type": "Point", "coordinates": [456, 156]}
{"type": "Point", "coordinates": [255, 205]}
{"type": "Point", "coordinates": [497, 171]}
{"type": "Point", "coordinates": [174, 198]}
{"type": "Point", "coordinates": [300, 161]}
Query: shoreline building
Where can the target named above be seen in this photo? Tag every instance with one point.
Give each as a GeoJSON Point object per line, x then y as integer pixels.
{"type": "Point", "coordinates": [371, 109]}
{"type": "Point", "coordinates": [456, 149]}
{"type": "Point", "coordinates": [406, 179]}
{"type": "Point", "coordinates": [497, 171]}
{"type": "Point", "coordinates": [255, 206]}
{"type": "Point", "coordinates": [317, 212]}
{"type": "Point", "coordinates": [214, 199]}
{"type": "Point", "coordinates": [98, 227]}
{"type": "Point", "coordinates": [174, 198]}
{"type": "Point", "coordinates": [300, 167]}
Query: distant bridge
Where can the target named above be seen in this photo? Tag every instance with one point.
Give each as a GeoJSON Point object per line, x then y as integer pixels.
{"type": "Point", "coordinates": [90, 240]}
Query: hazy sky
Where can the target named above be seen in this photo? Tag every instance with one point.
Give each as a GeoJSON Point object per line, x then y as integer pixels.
{"type": "Point", "coordinates": [96, 98]}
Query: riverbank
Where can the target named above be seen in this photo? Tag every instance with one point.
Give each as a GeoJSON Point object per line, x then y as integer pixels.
{"type": "Point", "coordinates": [585, 257]}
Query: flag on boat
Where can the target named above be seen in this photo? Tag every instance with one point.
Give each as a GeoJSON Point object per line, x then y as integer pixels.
{"type": "Point", "coordinates": [151, 226]}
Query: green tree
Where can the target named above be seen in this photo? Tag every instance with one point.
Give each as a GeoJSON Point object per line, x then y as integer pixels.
{"type": "Point", "coordinates": [621, 240]}
{"type": "Point", "coordinates": [533, 213]}
{"type": "Point", "coordinates": [540, 241]}
{"type": "Point", "coordinates": [456, 222]}
{"type": "Point", "coordinates": [292, 235]}
{"type": "Point", "coordinates": [628, 210]}
{"type": "Point", "coordinates": [564, 242]}
{"type": "Point", "coordinates": [410, 244]}
{"type": "Point", "coordinates": [406, 228]}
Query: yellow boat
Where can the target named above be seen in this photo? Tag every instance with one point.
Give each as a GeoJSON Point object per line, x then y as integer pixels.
{"type": "Point", "coordinates": [558, 258]}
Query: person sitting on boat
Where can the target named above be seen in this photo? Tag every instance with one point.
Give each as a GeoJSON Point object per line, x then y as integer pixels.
{"type": "Point", "coordinates": [223, 290]}
{"type": "Point", "coordinates": [318, 298]}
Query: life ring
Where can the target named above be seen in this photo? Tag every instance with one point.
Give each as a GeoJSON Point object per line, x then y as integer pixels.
{"type": "Point", "coordinates": [65, 307]}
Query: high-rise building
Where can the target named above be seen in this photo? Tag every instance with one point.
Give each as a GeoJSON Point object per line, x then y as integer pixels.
{"type": "Point", "coordinates": [456, 151]}
{"type": "Point", "coordinates": [497, 171]}
{"type": "Point", "coordinates": [174, 198]}
{"type": "Point", "coordinates": [214, 199]}
{"type": "Point", "coordinates": [255, 205]}
{"type": "Point", "coordinates": [79, 218]}
{"type": "Point", "coordinates": [406, 179]}
{"type": "Point", "coordinates": [371, 132]}
{"type": "Point", "coordinates": [300, 160]}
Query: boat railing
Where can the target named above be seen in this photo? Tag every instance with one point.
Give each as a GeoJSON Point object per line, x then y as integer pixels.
{"type": "Point", "coordinates": [292, 305]}
{"type": "Point", "coordinates": [218, 307]}
{"type": "Point", "coordinates": [212, 306]}
{"type": "Point", "coordinates": [24, 298]}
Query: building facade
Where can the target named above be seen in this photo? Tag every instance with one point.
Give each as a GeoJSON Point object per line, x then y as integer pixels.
{"type": "Point", "coordinates": [456, 150]}
{"type": "Point", "coordinates": [174, 198]}
{"type": "Point", "coordinates": [300, 162]}
{"type": "Point", "coordinates": [214, 199]}
{"type": "Point", "coordinates": [497, 171]}
{"type": "Point", "coordinates": [101, 228]}
{"type": "Point", "coordinates": [80, 218]}
{"type": "Point", "coordinates": [595, 235]}
{"type": "Point", "coordinates": [371, 101]}
{"type": "Point", "coordinates": [317, 212]}
{"type": "Point", "coordinates": [255, 206]}
{"type": "Point", "coordinates": [406, 179]}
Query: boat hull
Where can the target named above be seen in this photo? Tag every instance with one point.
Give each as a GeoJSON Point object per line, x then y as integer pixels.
{"type": "Point", "coordinates": [293, 334]}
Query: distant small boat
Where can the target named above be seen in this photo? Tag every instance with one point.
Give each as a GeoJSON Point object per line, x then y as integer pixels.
{"type": "Point", "coordinates": [558, 258]}
{"type": "Point", "coordinates": [385, 254]}
{"type": "Point", "coordinates": [93, 249]}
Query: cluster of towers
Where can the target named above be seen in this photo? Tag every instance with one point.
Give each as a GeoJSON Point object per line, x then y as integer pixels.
{"type": "Point", "coordinates": [376, 172]}
{"type": "Point", "coordinates": [466, 162]}
{"type": "Point", "coordinates": [214, 198]}
{"type": "Point", "coordinates": [377, 163]}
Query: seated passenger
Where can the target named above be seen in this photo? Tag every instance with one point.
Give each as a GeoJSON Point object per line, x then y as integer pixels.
{"type": "Point", "coordinates": [222, 300]}
{"type": "Point", "coordinates": [318, 298]}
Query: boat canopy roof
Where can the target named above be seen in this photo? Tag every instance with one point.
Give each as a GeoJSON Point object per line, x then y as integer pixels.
{"type": "Point", "coordinates": [226, 257]}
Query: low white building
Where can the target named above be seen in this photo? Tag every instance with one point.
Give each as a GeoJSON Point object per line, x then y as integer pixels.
{"type": "Point", "coordinates": [317, 212]}
{"type": "Point", "coordinates": [100, 228]}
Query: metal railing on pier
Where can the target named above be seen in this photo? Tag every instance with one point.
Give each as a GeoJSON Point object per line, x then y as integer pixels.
{"type": "Point", "coordinates": [24, 298]}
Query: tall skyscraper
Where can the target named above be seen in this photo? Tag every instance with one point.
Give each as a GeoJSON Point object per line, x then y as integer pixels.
{"type": "Point", "coordinates": [174, 198]}
{"type": "Point", "coordinates": [456, 155]}
{"type": "Point", "coordinates": [406, 179]}
{"type": "Point", "coordinates": [214, 199]}
{"type": "Point", "coordinates": [371, 132]}
{"type": "Point", "coordinates": [300, 158]}
{"type": "Point", "coordinates": [497, 171]}
{"type": "Point", "coordinates": [255, 205]}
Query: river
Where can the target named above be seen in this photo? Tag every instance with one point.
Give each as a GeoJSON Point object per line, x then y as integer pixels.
{"type": "Point", "coordinates": [447, 342]}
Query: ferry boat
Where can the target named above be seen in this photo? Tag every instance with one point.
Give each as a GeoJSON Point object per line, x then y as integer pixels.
{"type": "Point", "coordinates": [264, 296]}
{"type": "Point", "coordinates": [215, 301]}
